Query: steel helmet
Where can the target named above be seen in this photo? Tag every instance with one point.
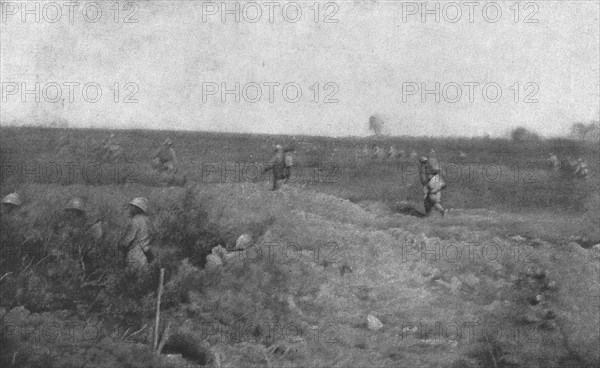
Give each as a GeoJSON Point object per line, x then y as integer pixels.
{"type": "Point", "coordinates": [422, 159]}
{"type": "Point", "coordinates": [278, 147]}
{"type": "Point", "coordinates": [12, 198]}
{"type": "Point", "coordinates": [75, 204]}
{"type": "Point", "coordinates": [141, 203]}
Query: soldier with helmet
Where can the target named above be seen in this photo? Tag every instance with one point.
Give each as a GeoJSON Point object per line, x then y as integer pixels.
{"type": "Point", "coordinates": [277, 164]}
{"type": "Point", "coordinates": [164, 158]}
{"type": "Point", "coordinates": [139, 234]}
{"type": "Point", "coordinates": [80, 233]}
{"type": "Point", "coordinates": [11, 236]}
{"type": "Point", "coordinates": [554, 162]}
{"type": "Point", "coordinates": [11, 202]}
{"type": "Point", "coordinates": [432, 185]}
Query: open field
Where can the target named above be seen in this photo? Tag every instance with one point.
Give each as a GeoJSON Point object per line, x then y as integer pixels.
{"type": "Point", "coordinates": [499, 282]}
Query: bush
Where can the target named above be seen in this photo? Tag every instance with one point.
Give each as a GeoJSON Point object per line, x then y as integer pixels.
{"type": "Point", "coordinates": [521, 134]}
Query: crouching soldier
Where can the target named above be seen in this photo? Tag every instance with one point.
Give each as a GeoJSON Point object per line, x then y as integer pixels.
{"type": "Point", "coordinates": [80, 234]}
{"type": "Point", "coordinates": [164, 159]}
{"type": "Point", "coordinates": [432, 186]}
{"type": "Point", "coordinates": [11, 236]}
{"type": "Point", "coordinates": [277, 164]}
{"type": "Point", "coordinates": [139, 235]}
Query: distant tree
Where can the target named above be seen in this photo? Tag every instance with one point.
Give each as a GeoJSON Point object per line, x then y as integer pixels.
{"type": "Point", "coordinates": [377, 125]}
{"type": "Point", "coordinates": [588, 132]}
{"type": "Point", "coordinates": [58, 123]}
{"type": "Point", "coordinates": [522, 134]}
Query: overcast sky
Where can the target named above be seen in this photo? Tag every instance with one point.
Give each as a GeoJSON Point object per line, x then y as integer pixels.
{"type": "Point", "coordinates": [374, 60]}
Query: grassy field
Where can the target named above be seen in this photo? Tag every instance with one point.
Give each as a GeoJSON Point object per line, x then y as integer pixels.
{"type": "Point", "coordinates": [499, 282]}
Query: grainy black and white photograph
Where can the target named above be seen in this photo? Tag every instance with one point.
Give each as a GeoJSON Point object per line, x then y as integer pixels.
{"type": "Point", "coordinates": [299, 184]}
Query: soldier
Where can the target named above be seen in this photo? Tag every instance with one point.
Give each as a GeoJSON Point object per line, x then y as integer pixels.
{"type": "Point", "coordinates": [413, 155]}
{"type": "Point", "coordinates": [277, 164]}
{"type": "Point", "coordinates": [112, 149]}
{"type": "Point", "coordinates": [164, 159]}
{"type": "Point", "coordinates": [289, 162]}
{"type": "Point", "coordinates": [10, 235]}
{"type": "Point", "coordinates": [81, 234]}
{"type": "Point", "coordinates": [136, 241]}
{"type": "Point", "coordinates": [365, 153]}
{"type": "Point", "coordinates": [432, 187]}
{"type": "Point", "coordinates": [381, 154]}
{"type": "Point", "coordinates": [554, 162]}
{"type": "Point", "coordinates": [581, 170]}
{"type": "Point", "coordinates": [392, 153]}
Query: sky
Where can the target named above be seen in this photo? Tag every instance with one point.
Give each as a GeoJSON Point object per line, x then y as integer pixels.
{"type": "Point", "coordinates": [321, 71]}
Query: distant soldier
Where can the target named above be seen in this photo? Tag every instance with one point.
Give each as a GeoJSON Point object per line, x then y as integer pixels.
{"type": "Point", "coordinates": [413, 155]}
{"type": "Point", "coordinates": [581, 170]}
{"type": "Point", "coordinates": [365, 153]}
{"type": "Point", "coordinates": [432, 186]}
{"type": "Point", "coordinates": [164, 159]}
{"type": "Point", "coordinates": [379, 153]}
{"type": "Point", "coordinates": [136, 241]}
{"type": "Point", "coordinates": [462, 155]}
{"type": "Point", "coordinates": [554, 162]}
{"type": "Point", "coordinates": [80, 234]}
{"type": "Point", "coordinates": [373, 152]}
{"type": "Point", "coordinates": [392, 153]}
{"type": "Point", "coordinates": [277, 164]}
{"type": "Point", "coordinates": [11, 235]}
{"type": "Point", "coordinates": [401, 153]}
{"type": "Point", "coordinates": [111, 149]}
{"type": "Point", "coordinates": [288, 157]}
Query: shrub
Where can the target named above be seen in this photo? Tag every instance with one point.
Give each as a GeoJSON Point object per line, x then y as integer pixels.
{"type": "Point", "coordinates": [521, 134]}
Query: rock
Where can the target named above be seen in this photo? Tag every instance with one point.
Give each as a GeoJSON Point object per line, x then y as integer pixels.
{"type": "Point", "coordinates": [471, 280]}
{"type": "Point", "coordinates": [455, 284]}
{"type": "Point", "coordinates": [551, 285]}
{"type": "Point", "coordinates": [213, 261]}
{"type": "Point", "coordinates": [243, 241]}
{"type": "Point", "coordinates": [537, 242]}
{"type": "Point", "coordinates": [373, 323]}
{"type": "Point", "coordinates": [548, 314]}
{"type": "Point", "coordinates": [345, 269]}
{"type": "Point", "coordinates": [219, 251]}
{"type": "Point", "coordinates": [530, 317]}
{"type": "Point", "coordinates": [539, 298]}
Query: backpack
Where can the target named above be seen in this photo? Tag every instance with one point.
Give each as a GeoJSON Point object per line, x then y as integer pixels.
{"type": "Point", "coordinates": [289, 159]}
{"type": "Point", "coordinates": [149, 254]}
{"type": "Point", "coordinates": [433, 166]}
